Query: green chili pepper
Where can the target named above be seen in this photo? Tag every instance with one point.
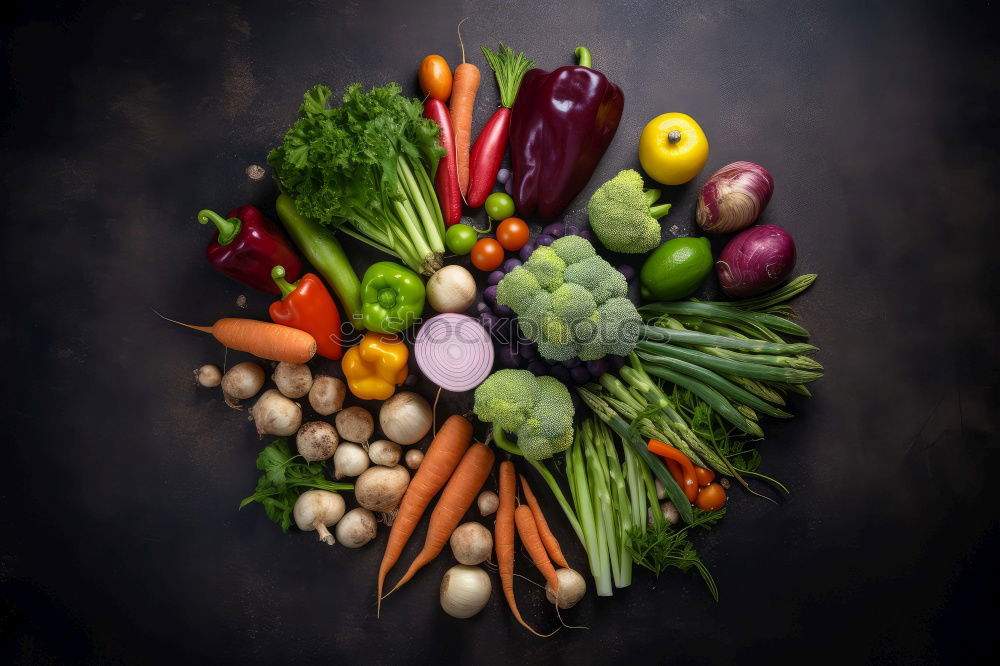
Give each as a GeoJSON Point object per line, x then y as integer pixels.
{"type": "Point", "coordinates": [392, 297]}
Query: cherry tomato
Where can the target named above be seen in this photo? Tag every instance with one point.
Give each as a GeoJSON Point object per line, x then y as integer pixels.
{"type": "Point", "coordinates": [705, 475]}
{"type": "Point", "coordinates": [435, 77]}
{"type": "Point", "coordinates": [499, 206]}
{"type": "Point", "coordinates": [711, 498]}
{"type": "Point", "coordinates": [487, 255]}
{"type": "Point", "coordinates": [460, 238]}
{"type": "Point", "coordinates": [512, 233]}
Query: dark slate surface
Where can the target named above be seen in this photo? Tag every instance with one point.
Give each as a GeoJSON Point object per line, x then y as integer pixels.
{"type": "Point", "coordinates": [120, 535]}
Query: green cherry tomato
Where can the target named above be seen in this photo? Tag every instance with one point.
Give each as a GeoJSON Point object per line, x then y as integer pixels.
{"type": "Point", "coordinates": [499, 206]}
{"type": "Point", "coordinates": [460, 238]}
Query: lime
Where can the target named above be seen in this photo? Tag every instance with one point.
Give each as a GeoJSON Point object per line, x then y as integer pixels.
{"type": "Point", "coordinates": [675, 269]}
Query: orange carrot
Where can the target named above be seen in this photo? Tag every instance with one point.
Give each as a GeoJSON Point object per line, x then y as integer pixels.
{"type": "Point", "coordinates": [463, 98]}
{"type": "Point", "coordinates": [442, 456]}
{"type": "Point", "coordinates": [503, 539]}
{"type": "Point", "coordinates": [544, 533]}
{"type": "Point", "coordinates": [528, 531]}
{"type": "Point", "coordinates": [455, 500]}
{"type": "Point", "coordinates": [260, 338]}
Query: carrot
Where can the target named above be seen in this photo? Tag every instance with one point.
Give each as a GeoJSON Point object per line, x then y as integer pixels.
{"type": "Point", "coordinates": [463, 97]}
{"type": "Point", "coordinates": [455, 500]}
{"type": "Point", "coordinates": [528, 531]}
{"type": "Point", "coordinates": [260, 338]}
{"type": "Point", "coordinates": [546, 535]}
{"type": "Point", "coordinates": [503, 539]}
{"type": "Point", "coordinates": [442, 456]}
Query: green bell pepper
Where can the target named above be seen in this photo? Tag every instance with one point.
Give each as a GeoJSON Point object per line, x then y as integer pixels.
{"type": "Point", "coordinates": [392, 297]}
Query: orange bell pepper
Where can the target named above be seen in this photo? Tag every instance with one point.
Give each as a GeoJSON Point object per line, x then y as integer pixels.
{"type": "Point", "coordinates": [689, 480]}
{"type": "Point", "coordinates": [376, 366]}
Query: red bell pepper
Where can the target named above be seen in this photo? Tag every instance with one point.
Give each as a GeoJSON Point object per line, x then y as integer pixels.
{"type": "Point", "coordinates": [446, 178]}
{"type": "Point", "coordinates": [246, 246]}
{"type": "Point", "coordinates": [308, 306]}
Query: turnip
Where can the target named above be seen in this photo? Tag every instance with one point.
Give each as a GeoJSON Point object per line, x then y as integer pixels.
{"type": "Point", "coordinates": [242, 381]}
{"type": "Point", "coordinates": [405, 418]}
{"type": "Point", "coordinates": [356, 528]}
{"type": "Point", "coordinates": [488, 502]}
{"type": "Point", "coordinates": [349, 460]}
{"type": "Point", "coordinates": [465, 590]}
{"type": "Point", "coordinates": [355, 424]}
{"type": "Point", "coordinates": [318, 510]}
{"type": "Point", "coordinates": [572, 587]}
{"type": "Point", "coordinates": [316, 440]}
{"type": "Point", "coordinates": [208, 376]}
{"type": "Point", "coordinates": [327, 395]}
{"type": "Point", "coordinates": [275, 414]}
{"type": "Point", "coordinates": [292, 379]}
{"type": "Point", "coordinates": [413, 458]}
{"type": "Point", "coordinates": [381, 488]}
{"type": "Point", "coordinates": [471, 543]}
{"type": "Point", "coordinates": [385, 453]}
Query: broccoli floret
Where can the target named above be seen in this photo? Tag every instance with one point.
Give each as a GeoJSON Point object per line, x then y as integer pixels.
{"type": "Point", "coordinates": [623, 216]}
{"type": "Point", "coordinates": [572, 249]}
{"type": "Point", "coordinates": [558, 352]}
{"type": "Point", "coordinates": [555, 330]}
{"type": "Point", "coordinates": [517, 289]}
{"type": "Point", "coordinates": [507, 398]}
{"type": "Point", "coordinates": [598, 277]}
{"type": "Point", "coordinates": [572, 302]}
{"type": "Point", "coordinates": [618, 325]}
{"type": "Point", "coordinates": [547, 267]}
{"type": "Point", "coordinates": [531, 318]}
{"type": "Point", "coordinates": [543, 407]}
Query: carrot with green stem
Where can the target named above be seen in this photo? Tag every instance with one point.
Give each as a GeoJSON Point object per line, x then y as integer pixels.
{"type": "Point", "coordinates": [544, 532]}
{"type": "Point", "coordinates": [455, 500]}
{"type": "Point", "coordinates": [273, 342]}
{"type": "Point", "coordinates": [442, 457]}
{"type": "Point", "coordinates": [463, 98]}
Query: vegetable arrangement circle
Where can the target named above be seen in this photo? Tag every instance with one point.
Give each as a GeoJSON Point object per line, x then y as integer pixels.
{"type": "Point", "coordinates": [454, 351]}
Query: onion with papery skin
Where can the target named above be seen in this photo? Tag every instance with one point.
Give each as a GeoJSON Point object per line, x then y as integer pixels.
{"type": "Point", "coordinates": [755, 261]}
{"type": "Point", "coordinates": [734, 197]}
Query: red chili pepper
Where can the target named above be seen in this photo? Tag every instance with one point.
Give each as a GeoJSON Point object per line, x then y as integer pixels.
{"type": "Point", "coordinates": [689, 480]}
{"type": "Point", "coordinates": [446, 178]}
{"type": "Point", "coordinates": [308, 306]}
{"type": "Point", "coordinates": [246, 246]}
{"type": "Point", "coordinates": [487, 154]}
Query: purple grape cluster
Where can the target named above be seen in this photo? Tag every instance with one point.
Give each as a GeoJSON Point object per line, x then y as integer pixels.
{"type": "Point", "coordinates": [516, 351]}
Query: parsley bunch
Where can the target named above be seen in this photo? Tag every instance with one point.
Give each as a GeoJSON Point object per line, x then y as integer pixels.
{"type": "Point", "coordinates": [286, 476]}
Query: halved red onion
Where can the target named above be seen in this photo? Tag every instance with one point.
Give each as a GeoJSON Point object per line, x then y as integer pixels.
{"type": "Point", "coordinates": [454, 351]}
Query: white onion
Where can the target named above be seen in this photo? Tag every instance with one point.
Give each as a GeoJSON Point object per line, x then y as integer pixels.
{"type": "Point", "coordinates": [405, 418]}
{"type": "Point", "coordinates": [465, 590]}
{"type": "Point", "coordinates": [451, 289]}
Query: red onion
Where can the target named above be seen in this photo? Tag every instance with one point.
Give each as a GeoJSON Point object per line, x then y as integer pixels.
{"type": "Point", "coordinates": [454, 351]}
{"type": "Point", "coordinates": [755, 260]}
{"type": "Point", "coordinates": [734, 197]}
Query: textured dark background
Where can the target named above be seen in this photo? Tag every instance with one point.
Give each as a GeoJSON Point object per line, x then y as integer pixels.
{"type": "Point", "coordinates": [119, 531]}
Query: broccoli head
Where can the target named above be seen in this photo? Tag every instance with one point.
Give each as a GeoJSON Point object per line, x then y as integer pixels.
{"type": "Point", "coordinates": [542, 410]}
{"type": "Point", "coordinates": [558, 294]}
{"type": "Point", "coordinates": [618, 325]}
{"type": "Point", "coordinates": [623, 216]}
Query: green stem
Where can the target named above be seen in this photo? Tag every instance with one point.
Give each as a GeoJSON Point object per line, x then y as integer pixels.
{"type": "Point", "coordinates": [278, 275]}
{"type": "Point", "coordinates": [583, 56]}
{"type": "Point", "coordinates": [659, 211]}
{"type": "Point", "coordinates": [228, 228]}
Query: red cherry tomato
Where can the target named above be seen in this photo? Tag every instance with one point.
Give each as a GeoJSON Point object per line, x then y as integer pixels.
{"type": "Point", "coordinates": [711, 498]}
{"type": "Point", "coordinates": [512, 233]}
{"type": "Point", "coordinates": [487, 255]}
{"type": "Point", "coordinates": [705, 475]}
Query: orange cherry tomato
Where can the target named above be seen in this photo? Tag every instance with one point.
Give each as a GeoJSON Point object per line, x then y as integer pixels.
{"type": "Point", "coordinates": [512, 233]}
{"type": "Point", "coordinates": [487, 255]}
{"type": "Point", "coordinates": [711, 498]}
{"type": "Point", "coordinates": [705, 475]}
{"type": "Point", "coordinates": [435, 77]}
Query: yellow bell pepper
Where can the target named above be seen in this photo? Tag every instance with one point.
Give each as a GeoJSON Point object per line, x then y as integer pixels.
{"type": "Point", "coordinates": [672, 148]}
{"type": "Point", "coordinates": [375, 366]}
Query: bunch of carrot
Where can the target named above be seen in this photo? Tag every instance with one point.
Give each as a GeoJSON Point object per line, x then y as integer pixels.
{"type": "Point", "coordinates": [534, 532]}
